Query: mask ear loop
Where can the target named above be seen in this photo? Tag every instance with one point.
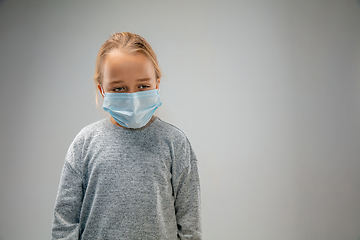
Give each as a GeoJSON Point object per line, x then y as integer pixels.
{"type": "Point", "coordinates": [158, 82]}
{"type": "Point", "coordinates": [102, 91]}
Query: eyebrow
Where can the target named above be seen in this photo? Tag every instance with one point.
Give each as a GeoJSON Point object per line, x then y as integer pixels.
{"type": "Point", "coordinates": [139, 80]}
{"type": "Point", "coordinates": [116, 81]}
{"type": "Point", "coordinates": [143, 79]}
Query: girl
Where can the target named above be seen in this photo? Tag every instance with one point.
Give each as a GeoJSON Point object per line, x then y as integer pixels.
{"type": "Point", "coordinates": [130, 176]}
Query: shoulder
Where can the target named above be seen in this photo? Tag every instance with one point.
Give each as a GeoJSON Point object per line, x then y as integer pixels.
{"type": "Point", "coordinates": [89, 134]}
{"type": "Point", "coordinates": [183, 155]}
{"type": "Point", "coordinates": [169, 130]}
{"type": "Point", "coordinates": [173, 136]}
{"type": "Point", "coordinates": [95, 127]}
{"type": "Point", "coordinates": [92, 129]}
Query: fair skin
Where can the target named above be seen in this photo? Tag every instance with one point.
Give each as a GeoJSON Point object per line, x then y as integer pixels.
{"type": "Point", "coordinates": [127, 73]}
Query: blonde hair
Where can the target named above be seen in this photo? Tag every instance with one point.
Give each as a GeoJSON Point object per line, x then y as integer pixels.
{"type": "Point", "coordinates": [128, 43]}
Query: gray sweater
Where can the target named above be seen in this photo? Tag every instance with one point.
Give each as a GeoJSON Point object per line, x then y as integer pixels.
{"type": "Point", "coordinates": [119, 183]}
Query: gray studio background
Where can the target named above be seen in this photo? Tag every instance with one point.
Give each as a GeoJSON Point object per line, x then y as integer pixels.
{"type": "Point", "coordinates": [267, 92]}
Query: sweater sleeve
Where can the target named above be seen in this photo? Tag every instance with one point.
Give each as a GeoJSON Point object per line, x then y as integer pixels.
{"type": "Point", "coordinates": [187, 195]}
{"type": "Point", "coordinates": [68, 204]}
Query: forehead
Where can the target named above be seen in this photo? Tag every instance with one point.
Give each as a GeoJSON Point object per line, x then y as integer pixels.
{"type": "Point", "coordinates": [117, 62]}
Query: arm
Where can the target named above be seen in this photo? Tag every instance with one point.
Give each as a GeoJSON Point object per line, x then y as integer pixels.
{"type": "Point", "coordinates": [187, 196]}
{"type": "Point", "coordinates": [68, 205]}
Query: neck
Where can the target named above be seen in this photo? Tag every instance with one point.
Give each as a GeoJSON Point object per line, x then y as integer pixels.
{"type": "Point", "coordinates": [115, 122]}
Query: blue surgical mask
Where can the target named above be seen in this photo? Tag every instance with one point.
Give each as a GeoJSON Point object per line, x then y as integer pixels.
{"type": "Point", "coordinates": [132, 110]}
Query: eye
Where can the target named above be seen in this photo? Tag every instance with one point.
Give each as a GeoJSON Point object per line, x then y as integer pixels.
{"type": "Point", "coordinates": [144, 86]}
{"type": "Point", "coordinates": [118, 89]}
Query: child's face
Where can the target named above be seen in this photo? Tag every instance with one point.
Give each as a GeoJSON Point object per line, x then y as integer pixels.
{"type": "Point", "coordinates": [128, 73]}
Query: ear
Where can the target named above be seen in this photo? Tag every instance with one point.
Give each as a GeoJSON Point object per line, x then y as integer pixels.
{"type": "Point", "coordinates": [158, 84]}
{"type": "Point", "coordinates": [101, 90]}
